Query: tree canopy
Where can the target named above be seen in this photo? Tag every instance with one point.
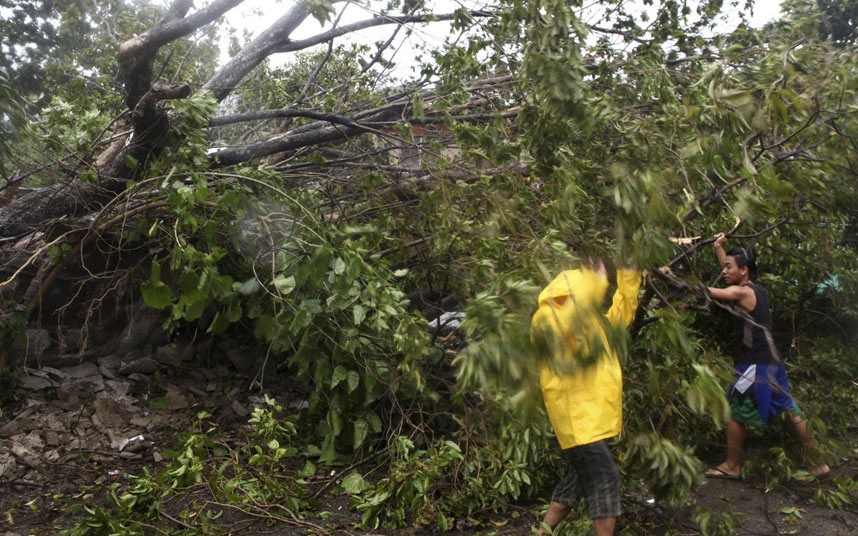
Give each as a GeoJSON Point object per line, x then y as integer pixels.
{"type": "Point", "coordinates": [299, 194]}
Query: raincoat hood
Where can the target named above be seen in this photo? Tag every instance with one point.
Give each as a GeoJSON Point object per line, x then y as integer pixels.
{"type": "Point", "coordinates": [586, 288]}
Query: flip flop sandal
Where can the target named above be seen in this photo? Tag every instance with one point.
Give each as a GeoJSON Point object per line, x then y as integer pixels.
{"type": "Point", "coordinates": [721, 474]}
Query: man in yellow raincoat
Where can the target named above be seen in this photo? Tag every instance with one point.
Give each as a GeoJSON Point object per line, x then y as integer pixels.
{"type": "Point", "coordinates": [582, 385]}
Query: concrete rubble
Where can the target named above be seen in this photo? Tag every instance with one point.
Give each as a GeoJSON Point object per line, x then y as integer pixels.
{"type": "Point", "coordinates": [114, 413]}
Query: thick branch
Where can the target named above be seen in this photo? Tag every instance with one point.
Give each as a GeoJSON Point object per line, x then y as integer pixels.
{"type": "Point", "coordinates": [305, 137]}
{"type": "Point", "coordinates": [136, 55]}
{"type": "Point", "coordinates": [146, 114]}
{"type": "Point", "coordinates": [322, 132]}
{"type": "Point", "coordinates": [263, 115]}
{"type": "Point", "coordinates": [41, 207]}
{"type": "Point", "coordinates": [228, 77]}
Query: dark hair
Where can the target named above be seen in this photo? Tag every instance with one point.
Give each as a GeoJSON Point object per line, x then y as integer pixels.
{"type": "Point", "coordinates": [744, 259]}
{"type": "Point", "coordinates": [592, 262]}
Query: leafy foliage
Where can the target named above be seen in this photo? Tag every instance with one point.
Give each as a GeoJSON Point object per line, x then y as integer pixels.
{"type": "Point", "coordinates": [711, 524]}
{"type": "Point", "coordinates": [331, 313]}
{"type": "Point", "coordinates": [245, 477]}
{"type": "Point", "coordinates": [61, 56]}
{"type": "Point", "coordinates": [670, 470]}
{"type": "Point", "coordinates": [12, 120]}
{"type": "Point", "coordinates": [433, 487]}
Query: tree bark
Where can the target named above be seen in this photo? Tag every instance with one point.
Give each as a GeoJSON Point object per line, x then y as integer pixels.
{"type": "Point", "coordinates": [147, 119]}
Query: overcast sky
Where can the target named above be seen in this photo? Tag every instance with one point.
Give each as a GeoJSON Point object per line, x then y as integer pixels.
{"type": "Point", "coordinates": [256, 15]}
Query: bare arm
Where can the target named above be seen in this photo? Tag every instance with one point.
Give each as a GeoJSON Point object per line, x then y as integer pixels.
{"type": "Point", "coordinates": [720, 238]}
{"type": "Point", "coordinates": [745, 297]}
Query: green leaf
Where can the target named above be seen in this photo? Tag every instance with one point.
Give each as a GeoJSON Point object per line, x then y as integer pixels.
{"type": "Point", "coordinates": [361, 429]}
{"type": "Point", "coordinates": [283, 284]}
{"type": "Point", "coordinates": [302, 318]}
{"type": "Point", "coordinates": [355, 483]}
{"type": "Point", "coordinates": [335, 422]}
{"type": "Point", "coordinates": [248, 287]}
{"type": "Point", "coordinates": [219, 324]}
{"type": "Point", "coordinates": [321, 10]}
{"type": "Point", "coordinates": [234, 311]}
{"type": "Point", "coordinates": [339, 266]}
{"type": "Point", "coordinates": [340, 373]}
{"type": "Point", "coordinates": [189, 281]}
{"type": "Point", "coordinates": [417, 105]}
{"type": "Point", "coordinates": [353, 380]}
{"type": "Point", "coordinates": [266, 327]}
{"type": "Point", "coordinates": [191, 305]}
{"type": "Point", "coordinates": [359, 313]}
{"type": "Point", "coordinates": [131, 162]}
{"type": "Point", "coordinates": [156, 295]}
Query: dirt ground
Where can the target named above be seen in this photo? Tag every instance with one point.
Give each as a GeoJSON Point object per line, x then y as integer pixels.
{"type": "Point", "coordinates": [78, 429]}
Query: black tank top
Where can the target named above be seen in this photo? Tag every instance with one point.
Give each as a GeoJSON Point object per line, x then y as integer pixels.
{"type": "Point", "coordinates": [752, 345]}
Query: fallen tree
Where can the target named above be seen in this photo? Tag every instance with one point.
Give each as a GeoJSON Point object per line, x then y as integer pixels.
{"type": "Point", "coordinates": [326, 215]}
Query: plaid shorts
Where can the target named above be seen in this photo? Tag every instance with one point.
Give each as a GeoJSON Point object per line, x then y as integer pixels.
{"type": "Point", "coordinates": [591, 474]}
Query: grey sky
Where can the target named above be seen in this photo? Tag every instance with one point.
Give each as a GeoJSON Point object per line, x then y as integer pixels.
{"type": "Point", "coordinates": [254, 15]}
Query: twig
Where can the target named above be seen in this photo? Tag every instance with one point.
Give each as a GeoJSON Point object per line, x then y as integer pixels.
{"type": "Point", "coordinates": [179, 522]}
{"type": "Point", "coordinates": [698, 244]}
{"type": "Point", "coordinates": [330, 482]}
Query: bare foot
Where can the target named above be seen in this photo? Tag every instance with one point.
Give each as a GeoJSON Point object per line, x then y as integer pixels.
{"type": "Point", "coordinates": [819, 471]}
{"type": "Point", "coordinates": [814, 473]}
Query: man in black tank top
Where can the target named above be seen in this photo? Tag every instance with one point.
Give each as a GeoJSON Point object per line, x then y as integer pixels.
{"type": "Point", "coordinates": [752, 344]}
{"type": "Point", "coordinates": [760, 389]}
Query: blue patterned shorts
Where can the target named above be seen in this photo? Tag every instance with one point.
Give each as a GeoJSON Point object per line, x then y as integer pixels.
{"type": "Point", "coordinates": [760, 392]}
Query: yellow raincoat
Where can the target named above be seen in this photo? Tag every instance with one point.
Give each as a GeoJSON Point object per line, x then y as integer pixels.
{"type": "Point", "coordinates": [583, 399]}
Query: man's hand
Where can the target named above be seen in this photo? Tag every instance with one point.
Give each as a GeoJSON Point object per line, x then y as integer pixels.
{"type": "Point", "coordinates": [698, 291]}
{"type": "Point", "coordinates": [720, 240]}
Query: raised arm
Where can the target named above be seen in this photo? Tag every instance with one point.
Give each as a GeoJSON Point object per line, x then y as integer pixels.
{"type": "Point", "coordinates": [625, 300]}
{"type": "Point", "coordinates": [720, 238]}
{"type": "Point", "coordinates": [737, 291]}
